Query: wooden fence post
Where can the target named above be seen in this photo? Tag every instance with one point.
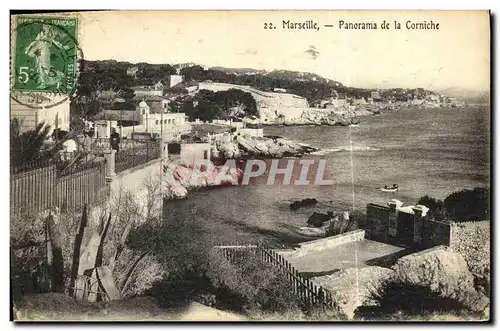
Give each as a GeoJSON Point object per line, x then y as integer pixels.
{"type": "Point", "coordinates": [56, 243]}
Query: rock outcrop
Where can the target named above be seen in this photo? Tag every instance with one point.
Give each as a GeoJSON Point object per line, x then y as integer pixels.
{"type": "Point", "coordinates": [303, 203]}
{"type": "Point", "coordinates": [319, 219]}
{"type": "Point", "coordinates": [339, 116]}
{"type": "Point", "coordinates": [444, 272]}
{"type": "Point", "coordinates": [439, 269]}
{"type": "Point", "coordinates": [472, 241]}
{"type": "Point", "coordinates": [352, 287]}
{"type": "Point", "coordinates": [179, 178]}
{"type": "Point", "coordinates": [273, 147]}
{"type": "Point", "coordinates": [229, 150]}
{"type": "Point", "coordinates": [248, 146]}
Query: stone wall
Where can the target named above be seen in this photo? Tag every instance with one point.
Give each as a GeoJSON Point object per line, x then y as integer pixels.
{"type": "Point", "coordinates": [430, 233]}
{"type": "Point", "coordinates": [269, 104]}
{"type": "Point", "coordinates": [135, 179]}
{"type": "Point", "coordinates": [329, 242]}
{"type": "Point", "coordinates": [472, 241]}
{"type": "Point", "coordinates": [378, 219]}
{"type": "Point", "coordinates": [435, 233]}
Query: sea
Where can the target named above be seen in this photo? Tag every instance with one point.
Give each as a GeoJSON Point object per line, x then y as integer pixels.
{"type": "Point", "coordinates": [424, 151]}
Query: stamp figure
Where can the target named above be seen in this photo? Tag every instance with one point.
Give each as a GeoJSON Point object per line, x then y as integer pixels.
{"type": "Point", "coordinates": [45, 59]}
{"type": "Point", "coordinates": [40, 50]}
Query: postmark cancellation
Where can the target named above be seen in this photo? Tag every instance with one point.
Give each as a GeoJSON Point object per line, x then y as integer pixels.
{"type": "Point", "coordinates": [45, 59]}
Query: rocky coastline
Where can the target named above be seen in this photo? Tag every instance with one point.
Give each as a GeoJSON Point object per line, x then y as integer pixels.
{"type": "Point", "coordinates": [343, 115]}
{"type": "Point", "coordinates": [180, 177]}
{"type": "Point", "coordinates": [338, 116]}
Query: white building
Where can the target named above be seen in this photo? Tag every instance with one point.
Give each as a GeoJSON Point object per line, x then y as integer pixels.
{"type": "Point", "coordinates": [375, 95]}
{"type": "Point", "coordinates": [153, 121]}
{"type": "Point", "coordinates": [175, 79]}
{"type": "Point", "coordinates": [55, 116]}
{"type": "Point", "coordinates": [132, 71]}
{"type": "Point", "coordinates": [278, 89]}
{"type": "Point", "coordinates": [145, 91]}
{"type": "Point", "coordinates": [157, 120]}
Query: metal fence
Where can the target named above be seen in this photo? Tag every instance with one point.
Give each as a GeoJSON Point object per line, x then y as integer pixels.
{"type": "Point", "coordinates": [36, 189]}
{"type": "Point", "coordinates": [130, 153]}
{"type": "Point", "coordinates": [139, 153]}
{"type": "Point", "coordinates": [309, 294]}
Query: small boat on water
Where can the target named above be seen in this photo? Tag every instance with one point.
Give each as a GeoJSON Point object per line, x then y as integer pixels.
{"type": "Point", "coordinates": [393, 188]}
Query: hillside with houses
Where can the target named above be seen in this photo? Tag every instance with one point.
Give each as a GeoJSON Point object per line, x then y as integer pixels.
{"type": "Point", "coordinates": [113, 90]}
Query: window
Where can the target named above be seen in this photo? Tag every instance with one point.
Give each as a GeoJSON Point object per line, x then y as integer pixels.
{"type": "Point", "coordinates": [164, 121]}
{"type": "Point", "coordinates": [143, 111]}
{"type": "Point", "coordinates": [156, 122]}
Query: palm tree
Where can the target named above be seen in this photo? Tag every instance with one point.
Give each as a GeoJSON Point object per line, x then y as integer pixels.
{"type": "Point", "coordinates": [29, 146]}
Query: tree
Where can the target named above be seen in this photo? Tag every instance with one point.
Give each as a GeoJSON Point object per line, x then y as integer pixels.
{"type": "Point", "coordinates": [126, 93]}
{"type": "Point", "coordinates": [29, 146]}
{"type": "Point", "coordinates": [468, 205]}
{"type": "Point", "coordinates": [196, 73]}
{"type": "Point", "coordinates": [464, 205]}
{"type": "Point", "coordinates": [86, 103]}
{"type": "Point", "coordinates": [435, 206]}
{"type": "Point", "coordinates": [207, 109]}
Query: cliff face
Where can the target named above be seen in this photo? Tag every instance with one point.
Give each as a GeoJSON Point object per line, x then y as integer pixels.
{"type": "Point", "coordinates": [290, 109]}
{"type": "Point", "coordinates": [271, 105]}
{"type": "Point", "coordinates": [270, 100]}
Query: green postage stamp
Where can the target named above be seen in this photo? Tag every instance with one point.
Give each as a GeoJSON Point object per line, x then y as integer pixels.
{"type": "Point", "coordinates": [45, 59]}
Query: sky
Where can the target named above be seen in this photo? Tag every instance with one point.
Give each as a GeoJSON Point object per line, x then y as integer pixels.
{"type": "Point", "coordinates": [456, 55]}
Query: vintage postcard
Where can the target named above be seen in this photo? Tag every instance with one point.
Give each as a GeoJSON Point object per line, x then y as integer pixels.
{"type": "Point", "coordinates": [250, 166]}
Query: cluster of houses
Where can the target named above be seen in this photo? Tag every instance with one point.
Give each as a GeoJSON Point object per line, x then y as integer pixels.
{"type": "Point", "coordinates": [418, 97]}
{"type": "Point", "coordinates": [152, 114]}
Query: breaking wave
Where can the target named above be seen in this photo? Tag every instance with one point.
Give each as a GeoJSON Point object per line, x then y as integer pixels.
{"type": "Point", "coordinates": [326, 151]}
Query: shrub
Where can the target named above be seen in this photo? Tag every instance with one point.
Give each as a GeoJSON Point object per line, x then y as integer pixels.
{"type": "Point", "coordinates": [468, 205]}
{"type": "Point", "coordinates": [259, 286]}
{"type": "Point", "coordinates": [464, 205]}
{"type": "Point", "coordinates": [405, 299]}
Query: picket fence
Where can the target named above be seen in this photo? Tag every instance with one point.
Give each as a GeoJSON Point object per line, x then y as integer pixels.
{"type": "Point", "coordinates": [38, 189]}
{"type": "Point", "coordinates": [308, 293]}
